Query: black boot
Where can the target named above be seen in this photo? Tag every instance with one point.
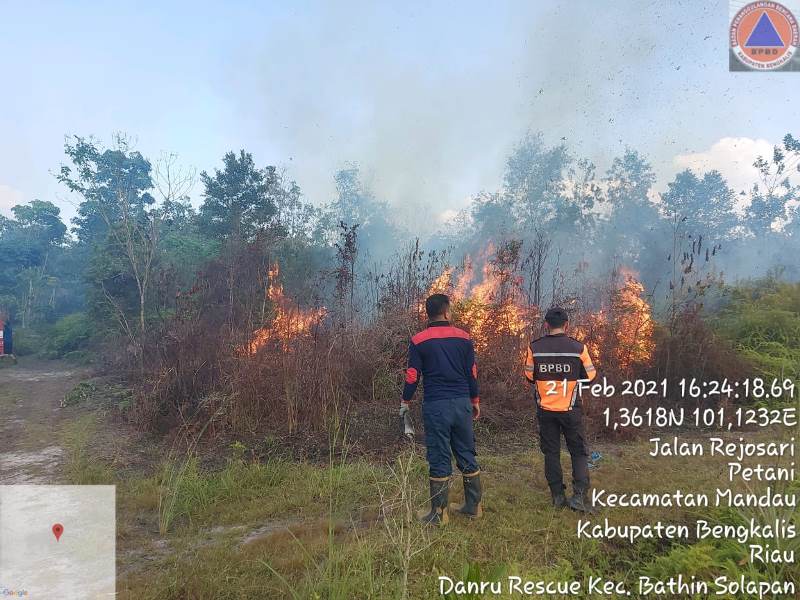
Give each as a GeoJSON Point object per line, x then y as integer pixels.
{"type": "Point", "coordinates": [472, 497]}
{"type": "Point", "coordinates": [580, 501]}
{"type": "Point", "coordinates": [559, 498]}
{"type": "Point", "coordinates": [438, 513]}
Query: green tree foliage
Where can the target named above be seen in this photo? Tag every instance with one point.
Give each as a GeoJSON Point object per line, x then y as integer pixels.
{"type": "Point", "coordinates": [114, 185]}
{"type": "Point", "coordinates": [249, 210]}
{"type": "Point", "coordinates": [30, 245]}
{"type": "Point", "coordinates": [139, 244]}
{"type": "Point", "coordinates": [770, 200]}
{"type": "Point", "coordinates": [70, 333]}
{"type": "Point", "coordinates": [704, 203]}
{"type": "Point", "coordinates": [295, 217]}
{"type": "Point", "coordinates": [116, 221]}
{"type": "Point", "coordinates": [41, 222]}
{"type": "Point", "coordinates": [183, 248]}
{"type": "Point", "coordinates": [240, 200]}
{"type": "Point", "coordinates": [633, 226]}
{"type": "Point", "coordinates": [772, 219]}
{"type": "Point", "coordinates": [533, 181]}
{"type": "Point", "coordinates": [545, 192]}
{"type": "Point", "coordinates": [492, 216]}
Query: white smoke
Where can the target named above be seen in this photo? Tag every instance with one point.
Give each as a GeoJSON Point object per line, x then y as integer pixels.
{"type": "Point", "coordinates": [9, 197]}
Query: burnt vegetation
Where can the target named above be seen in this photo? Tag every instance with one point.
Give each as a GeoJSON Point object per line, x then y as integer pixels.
{"type": "Point", "coordinates": [264, 313]}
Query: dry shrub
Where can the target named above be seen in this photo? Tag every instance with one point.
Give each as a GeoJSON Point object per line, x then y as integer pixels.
{"type": "Point", "coordinates": [690, 349]}
{"type": "Point", "coordinates": [203, 365]}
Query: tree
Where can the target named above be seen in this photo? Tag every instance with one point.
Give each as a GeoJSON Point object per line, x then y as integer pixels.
{"type": "Point", "coordinates": [345, 273]}
{"type": "Point", "coordinates": [114, 184]}
{"type": "Point", "coordinates": [174, 184]}
{"type": "Point", "coordinates": [534, 265]}
{"type": "Point", "coordinates": [27, 245]}
{"type": "Point", "coordinates": [633, 223]}
{"type": "Point", "coordinates": [771, 198]}
{"type": "Point", "coordinates": [492, 217]}
{"type": "Point", "coordinates": [355, 204]}
{"type": "Point", "coordinates": [705, 203]}
{"type": "Point", "coordinates": [114, 218]}
{"type": "Point", "coordinates": [581, 193]}
{"type": "Point", "coordinates": [240, 209]}
{"type": "Point", "coordinates": [295, 217]}
{"type": "Point", "coordinates": [533, 181]}
{"type": "Point", "coordinates": [183, 248]}
{"type": "Point", "coordinates": [239, 201]}
{"type": "Point", "coordinates": [42, 221]}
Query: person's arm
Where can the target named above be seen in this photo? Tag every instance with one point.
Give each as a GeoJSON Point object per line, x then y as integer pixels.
{"type": "Point", "coordinates": [412, 374]}
{"type": "Point", "coordinates": [588, 366]}
{"type": "Point", "coordinates": [472, 368]}
{"type": "Point", "coordinates": [530, 366]}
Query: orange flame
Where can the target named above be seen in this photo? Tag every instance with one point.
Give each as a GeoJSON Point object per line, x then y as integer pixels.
{"type": "Point", "coordinates": [289, 321]}
{"type": "Point", "coordinates": [489, 304]}
{"type": "Point", "coordinates": [441, 285]}
{"type": "Point", "coordinates": [634, 322]}
{"type": "Point", "coordinates": [620, 335]}
{"type": "Point", "coordinates": [492, 304]}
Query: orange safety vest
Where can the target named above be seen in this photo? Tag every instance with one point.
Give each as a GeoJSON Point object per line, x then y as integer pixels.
{"type": "Point", "coordinates": [554, 364]}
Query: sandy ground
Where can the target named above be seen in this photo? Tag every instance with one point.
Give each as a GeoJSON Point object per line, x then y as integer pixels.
{"type": "Point", "coordinates": [30, 418]}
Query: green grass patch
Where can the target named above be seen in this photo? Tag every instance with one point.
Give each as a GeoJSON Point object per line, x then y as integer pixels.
{"type": "Point", "coordinates": [82, 468]}
{"type": "Point", "coordinates": [300, 530]}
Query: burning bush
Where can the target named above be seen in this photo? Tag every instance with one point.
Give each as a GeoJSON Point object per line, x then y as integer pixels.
{"type": "Point", "coordinates": [489, 303]}
{"type": "Point", "coordinates": [619, 333]}
{"type": "Point", "coordinates": [262, 362]}
{"type": "Point", "coordinates": [288, 322]}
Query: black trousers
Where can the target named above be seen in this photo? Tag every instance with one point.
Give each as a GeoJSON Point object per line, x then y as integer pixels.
{"type": "Point", "coordinates": [448, 427]}
{"type": "Point", "coordinates": [551, 425]}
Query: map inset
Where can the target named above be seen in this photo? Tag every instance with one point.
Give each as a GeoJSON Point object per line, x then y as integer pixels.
{"type": "Point", "coordinates": [57, 541]}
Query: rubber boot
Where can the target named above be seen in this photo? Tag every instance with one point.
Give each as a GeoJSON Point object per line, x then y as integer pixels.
{"type": "Point", "coordinates": [559, 497]}
{"type": "Point", "coordinates": [472, 507]}
{"type": "Point", "coordinates": [580, 501]}
{"type": "Point", "coordinates": [439, 493]}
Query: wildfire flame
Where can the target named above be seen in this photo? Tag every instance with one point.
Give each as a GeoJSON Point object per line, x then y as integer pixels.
{"type": "Point", "coordinates": [289, 321]}
{"type": "Point", "coordinates": [490, 303]}
{"type": "Point", "coordinates": [619, 333]}
{"type": "Point", "coordinates": [637, 338]}
{"type": "Point", "coordinates": [442, 284]}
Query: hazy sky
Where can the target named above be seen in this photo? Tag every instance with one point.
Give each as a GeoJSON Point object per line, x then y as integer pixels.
{"type": "Point", "coordinates": [428, 98]}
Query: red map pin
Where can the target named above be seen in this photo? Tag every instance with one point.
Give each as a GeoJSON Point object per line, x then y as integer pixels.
{"type": "Point", "coordinates": [58, 529]}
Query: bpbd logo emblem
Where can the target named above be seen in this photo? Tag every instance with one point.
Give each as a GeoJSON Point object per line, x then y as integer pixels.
{"type": "Point", "coordinates": [764, 35]}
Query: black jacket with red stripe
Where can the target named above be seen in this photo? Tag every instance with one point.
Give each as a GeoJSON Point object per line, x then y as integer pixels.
{"type": "Point", "coordinates": [444, 356]}
{"type": "Point", "coordinates": [554, 364]}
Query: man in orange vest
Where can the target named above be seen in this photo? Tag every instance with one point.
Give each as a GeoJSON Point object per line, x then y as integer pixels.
{"type": "Point", "coordinates": [554, 365]}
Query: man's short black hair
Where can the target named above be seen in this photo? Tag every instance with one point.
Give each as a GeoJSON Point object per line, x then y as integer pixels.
{"type": "Point", "coordinates": [436, 304]}
{"type": "Point", "coordinates": [556, 317]}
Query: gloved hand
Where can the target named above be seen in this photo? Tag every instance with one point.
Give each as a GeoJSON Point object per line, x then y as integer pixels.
{"type": "Point", "coordinates": [404, 408]}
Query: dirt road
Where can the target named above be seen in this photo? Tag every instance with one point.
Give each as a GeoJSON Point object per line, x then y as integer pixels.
{"type": "Point", "coordinates": [30, 420]}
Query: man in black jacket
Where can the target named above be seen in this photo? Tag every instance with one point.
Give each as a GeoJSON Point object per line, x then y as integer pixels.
{"type": "Point", "coordinates": [444, 357]}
